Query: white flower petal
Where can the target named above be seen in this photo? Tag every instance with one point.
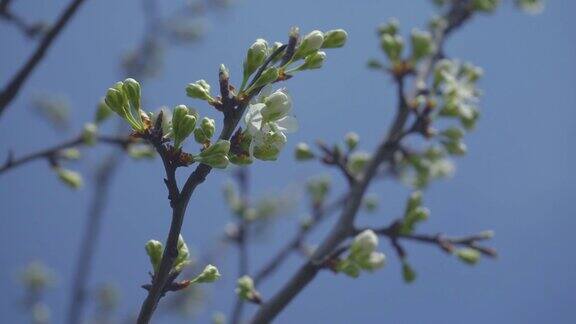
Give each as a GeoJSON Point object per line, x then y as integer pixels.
{"type": "Point", "coordinates": [287, 124]}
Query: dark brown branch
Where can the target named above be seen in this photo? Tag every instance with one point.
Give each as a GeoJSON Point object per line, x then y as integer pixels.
{"type": "Point", "coordinates": [13, 87]}
{"type": "Point", "coordinates": [232, 116]}
{"type": "Point", "coordinates": [53, 152]}
{"type": "Point", "coordinates": [30, 30]}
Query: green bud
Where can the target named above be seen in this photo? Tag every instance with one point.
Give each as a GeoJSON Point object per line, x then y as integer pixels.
{"type": "Point", "coordinates": [154, 249]}
{"type": "Point", "coordinates": [392, 46]}
{"type": "Point", "coordinates": [218, 318]}
{"type": "Point", "coordinates": [303, 152]}
{"type": "Point", "coordinates": [351, 139]}
{"type": "Point", "coordinates": [199, 90]}
{"type": "Point", "coordinates": [335, 38]}
{"type": "Point", "coordinates": [215, 155]}
{"type": "Point", "coordinates": [349, 268]}
{"type": "Point", "coordinates": [209, 274]}
{"type": "Point", "coordinates": [486, 6]}
{"type": "Point", "coordinates": [36, 276]}
{"type": "Point", "coordinates": [255, 57]}
{"type": "Point", "coordinates": [116, 100]}
{"type": "Point", "coordinates": [455, 147]}
{"type": "Point", "coordinates": [70, 154]}
{"type": "Point", "coordinates": [103, 112]}
{"type": "Point", "coordinates": [468, 256]}
{"type": "Point", "coordinates": [414, 201]}
{"type": "Point", "coordinates": [370, 203]}
{"type": "Point", "coordinates": [144, 151]}
{"type": "Point", "coordinates": [132, 91]}
{"type": "Point", "coordinates": [70, 178]}
{"type": "Point", "coordinates": [358, 161]}
{"type": "Point", "coordinates": [268, 76]}
{"type": "Point", "coordinates": [183, 258]}
{"type": "Point", "coordinates": [318, 188]}
{"type": "Point", "coordinates": [313, 61]}
{"type": "Point", "coordinates": [310, 44]}
{"type": "Point", "coordinates": [245, 288]}
{"type": "Point", "coordinates": [183, 124]}
{"type": "Point", "coordinates": [389, 28]}
{"type": "Point", "coordinates": [422, 44]}
{"type": "Point", "coordinates": [453, 133]}
{"type": "Point", "coordinates": [408, 273]}
{"type": "Point", "coordinates": [90, 134]}
{"type": "Point", "coordinates": [204, 133]}
{"type": "Point", "coordinates": [374, 64]}
{"type": "Point", "coordinates": [531, 6]}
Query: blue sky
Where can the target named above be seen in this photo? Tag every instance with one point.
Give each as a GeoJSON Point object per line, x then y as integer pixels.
{"type": "Point", "coordinates": [517, 179]}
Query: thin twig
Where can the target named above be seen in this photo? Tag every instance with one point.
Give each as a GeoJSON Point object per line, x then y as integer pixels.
{"type": "Point", "coordinates": [13, 87]}
{"type": "Point", "coordinates": [53, 152]}
{"type": "Point", "coordinates": [241, 241]}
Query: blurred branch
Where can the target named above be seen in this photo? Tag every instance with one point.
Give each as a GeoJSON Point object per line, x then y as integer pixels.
{"type": "Point", "coordinates": [91, 234]}
{"type": "Point", "coordinates": [31, 30]}
{"type": "Point", "coordinates": [11, 90]}
{"type": "Point", "coordinates": [458, 13]}
{"type": "Point", "coordinates": [242, 177]}
{"type": "Point", "coordinates": [51, 154]}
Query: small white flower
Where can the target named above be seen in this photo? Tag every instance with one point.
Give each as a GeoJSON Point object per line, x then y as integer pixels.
{"type": "Point", "coordinates": [365, 242]}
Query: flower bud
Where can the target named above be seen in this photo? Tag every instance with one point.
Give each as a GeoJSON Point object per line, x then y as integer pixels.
{"type": "Point", "coordinates": [318, 189]}
{"type": "Point", "coordinates": [256, 56]}
{"type": "Point", "coordinates": [209, 274]}
{"type": "Point", "coordinates": [408, 273]}
{"type": "Point", "coordinates": [204, 133]}
{"type": "Point", "coordinates": [303, 152]}
{"type": "Point", "coordinates": [154, 249]}
{"type": "Point", "coordinates": [70, 178]}
{"type": "Point", "coordinates": [36, 276]}
{"type": "Point", "coordinates": [182, 259]}
{"type": "Point", "coordinates": [245, 288]}
{"type": "Point", "coordinates": [270, 146]}
{"type": "Point", "coordinates": [183, 124]}
{"type": "Point", "coordinates": [335, 38]}
{"type": "Point", "coordinates": [351, 139]}
{"type": "Point", "coordinates": [218, 318]}
{"type": "Point", "coordinates": [199, 90]}
{"type": "Point", "coordinates": [215, 155]}
{"type": "Point", "coordinates": [374, 261]}
{"type": "Point", "coordinates": [313, 61]}
{"type": "Point", "coordinates": [357, 162]}
{"type": "Point", "coordinates": [486, 6]}
{"type": "Point", "coordinates": [422, 44]}
{"type": "Point", "coordinates": [370, 203]}
{"type": "Point", "coordinates": [390, 28]}
{"type": "Point", "coordinates": [103, 112]}
{"type": "Point", "coordinates": [455, 147]}
{"type": "Point", "coordinates": [132, 90]}
{"type": "Point", "coordinates": [116, 100]}
{"type": "Point", "coordinates": [468, 255]}
{"type": "Point", "coordinates": [139, 152]}
{"type": "Point", "coordinates": [90, 134]}
{"type": "Point", "coordinates": [69, 154]}
{"type": "Point", "coordinates": [453, 133]}
{"type": "Point", "coordinates": [392, 46]}
{"type": "Point", "coordinates": [268, 76]}
{"type": "Point", "coordinates": [310, 44]}
{"type": "Point", "coordinates": [278, 105]}
{"type": "Point", "coordinates": [364, 243]}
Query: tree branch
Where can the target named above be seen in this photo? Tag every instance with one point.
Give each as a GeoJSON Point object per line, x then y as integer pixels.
{"type": "Point", "coordinates": [459, 12]}
{"type": "Point", "coordinates": [233, 113]}
{"type": "Point", "coordinates": [13, 87]}
{"type": "Point", "coordinates": [52, 152]}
